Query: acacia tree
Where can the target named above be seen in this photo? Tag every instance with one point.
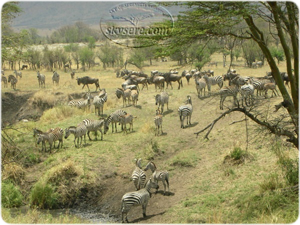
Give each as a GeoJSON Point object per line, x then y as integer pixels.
{"type": "Point", "coordinates": [242, 20]}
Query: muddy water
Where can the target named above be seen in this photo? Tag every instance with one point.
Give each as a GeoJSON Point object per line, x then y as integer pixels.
{"type": "Point", "coordinates": [88, 215]}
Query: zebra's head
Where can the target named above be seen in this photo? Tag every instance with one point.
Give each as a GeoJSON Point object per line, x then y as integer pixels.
{"type": "Point", "coordinates": [189, 100]}
{"type": "Point", "coordinates": [150, 165]}
{"type": "Point", "coordinates": [39, 138]}
{"type": "Point", "coordinates": [67, 133]}
{"type": "Point", "coordinates": [157, 98]}
{"type": "Point", "coordinates": [151, 184]}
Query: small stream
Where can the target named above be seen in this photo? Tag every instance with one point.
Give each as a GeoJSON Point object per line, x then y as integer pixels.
{"type": "Point", "coordinates": [89, 215]}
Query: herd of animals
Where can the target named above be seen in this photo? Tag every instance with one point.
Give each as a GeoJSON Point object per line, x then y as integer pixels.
{"type": "Point", "coordinates": [129, 91]}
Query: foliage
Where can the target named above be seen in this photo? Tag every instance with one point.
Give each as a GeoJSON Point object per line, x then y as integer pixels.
{"type": "Point", "coordinates": [43, 196]}
{"type": "Point", "coordinates": [86, 56]}
{"type": "Point", "coordinates": [10, 195]}
{"type": "Point", "coordinates": [110, 55]}
{"type": "Point", "coordinates": [278, 54]}
{"type": "Point", "coordinates": [237, 153]}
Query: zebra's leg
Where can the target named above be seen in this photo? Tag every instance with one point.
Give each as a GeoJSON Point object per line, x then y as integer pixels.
{"type": "Point", "coordinates": [88, 133]}
{"type": "Point", "coordinates": [144, 206]}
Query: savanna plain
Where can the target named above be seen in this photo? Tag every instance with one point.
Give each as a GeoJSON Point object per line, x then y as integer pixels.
{"type": "Point", "coordinates": [234, 177]}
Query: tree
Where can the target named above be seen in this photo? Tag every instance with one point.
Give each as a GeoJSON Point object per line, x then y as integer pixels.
{"type": "Point", "coordinates": [10, 39]}
{"type": "Point", "coordinates": [278, 54]}
{"type": "Point", "coordinates": [243, 20]}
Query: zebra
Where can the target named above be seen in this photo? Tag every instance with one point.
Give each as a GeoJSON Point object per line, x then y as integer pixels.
{"type": "Point", "coordinates": [136, 198]}
{"type": "Point", "coordinates": [247, 91]}
{"type": "Point", "coordinates": [81, 103]}
{"type": "Point", "coordinates": [138, 176]}
{"type": "Point", "coordinates": [51, 137]}
{"type": "Point", "coordinates": [41, 79]}
{"type": "Point", "coordinates": [162, 99]}
{"type": "Point", "coordinates": [134, 96]}
{"type": "Point", "coordinates": [55, 78]}
{"type": "Point", "coordinates": [158, 175]}
{"type": "Point", "coordinates": [158, 122]}
{"type": "Point", "coordinates": [18, 74]}
{"type": "Point", "coordinates": [213, 81]}
{"type": "Point", "coordinates": [78, 132]}
{"type": "Point", "coordinates": [186, 111]}
{"type": "Point", "coordinates": [200, 85]}
{"type": "Point", "coordinates": [124, 119]}
{"type": "Point", "coordinates": [13, 81]}
{"type": "Point", "coordinates": [4, 80]}
{"type": "Point", "coordinates": [114, 118]}
{"type": "Point", "coordinates": [99, 101]}
{"type": "Point", "coordinates": [94, 125]}
{"type": "Point", "coordinates": [270, 86]}
{"type": "Point", "coordinates": [124, 93]}
{"type": "Point", "coordinates": [228, 91]}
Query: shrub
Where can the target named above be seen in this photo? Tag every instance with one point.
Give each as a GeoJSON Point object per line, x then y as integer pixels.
{"type": "Point", "coordinates": [271, 183]}
{"type": "Point", "coordinates": [43, 196]}
{"type": "Point", "coordinates": [10, 195]}
{"type": "Point", "coordinates": [13, 172]}
{"type": "Point", "coordinates": [237, 153]}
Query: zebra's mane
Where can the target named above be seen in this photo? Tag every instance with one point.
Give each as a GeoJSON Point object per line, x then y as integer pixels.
{"type": "Point", "coordinates": [72, 127]}
{"type": "Point", "coordinates": [153, 164]}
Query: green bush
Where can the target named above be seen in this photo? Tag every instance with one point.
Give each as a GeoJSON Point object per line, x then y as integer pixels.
{"type": "Point", "coordinates": [10, 195]}
{"type": "Point", "coordinates": [237, 153]}
{"type": "Point", "coordinates": [43, 196]}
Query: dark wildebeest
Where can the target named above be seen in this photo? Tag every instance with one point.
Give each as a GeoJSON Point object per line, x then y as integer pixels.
{"type": "Point", "coordinates": [24, 67]}
{"type": "Point", "coordinates": [72, 75]}
{"type": "Point", "coordinates": [87, 80]}
{"type": "Point", "coordinates": [171, 77]}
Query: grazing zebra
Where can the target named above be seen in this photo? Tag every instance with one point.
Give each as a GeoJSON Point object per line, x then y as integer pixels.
{"type": "Point", "coordinates": [55, 78]}
{"type": "Point", "coordinates": [228, 91]}
{"type": "Point", "coordinates": [41, 79]}
{"type": "Point", "coordinates": [158, 175]}
{"type": "Point", "coordinates": [213, 81]}
{"type": "Point", "coordinates": [158, 122]}
{"type": "Point", "coordinates": [78, 132]}
{"type": "Point", "coordinates": [125, 119]}
{"type": "Point", "coordinates": [186, 111]}
{"type": "Point", "coordinates": [136, 198]}
{"type": "Point", "coordinates": [18, 74]}
{"type": "Point", "coordinates": [94, 125]}
{"type": "Point", "coordinates": [138, 175]}
{"type": "Point", "coordinates": [134, 97]}
{"type": "Point", "coordinates": [114, 118]}
{"type": "Point", "coordinates": [162, 99]}
{"type": "Point", "coordinates": [13, 81]}
{"type": "Point", "coordinates": [99, 101]}
{"type": "Point", "coordinates": [125, 94]}
{"type": "Point", "coordinates": [51, 137]}
{"type": "Point", "coordinates": [4, 80]}
{"type": "Point", "coordinates": [247, 91]}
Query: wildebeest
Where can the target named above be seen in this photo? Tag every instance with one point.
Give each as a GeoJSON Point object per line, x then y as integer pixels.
{"type": "Point", "coordinates": [88, 80]}
{"type": "Point", "coordinates": [72, 75]}
{"type": "Point", "coordinates": [24, 67]}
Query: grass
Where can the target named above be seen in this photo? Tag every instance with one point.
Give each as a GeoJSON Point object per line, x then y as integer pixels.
{"type": "Point", "coordinates": [212, 192]}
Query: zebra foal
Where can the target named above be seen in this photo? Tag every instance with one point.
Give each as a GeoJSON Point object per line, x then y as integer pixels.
{"type": "Point", "coordinates": [158, 122]}
{"type": "Point", "coordinates": [125, 119]}
{"type": "Point", "coordinates": [137, 198]}
{"type": "Point", "coordinates": [114, 118]}
{"type": "Point", "coordinates": [158, 176]}
{"type": "Point", "coordinates": [138, 176]}
{"type": "Point", "coordinates": [78, 132]}
{"type": "Point", "coordinates": [185, 111]}
{"type": "Point", "coordinates": [51, 137]}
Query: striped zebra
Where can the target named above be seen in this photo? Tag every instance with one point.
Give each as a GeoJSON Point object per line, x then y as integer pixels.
{"type": "Point", "coordinates": [162, 99]}
{"type": "Point", "coordinates": [125, 119]}
{"type": "Point", "coordinates": [94, 125]}
{"type": "Point", "coordinates": [259, 84]}
{"type": "Point", "coordinates": [158, 119]}
{"type": "Point", "coordinates": [81, 103]}
{"type": "Point", "coordinates": [247, 92]}
{"type": "Point", "coordinates": [4, 80]}
{"type": "Point", "coordinates": [78, 132]}
{"type": "Point", "coordinates": [137, 198]}
{"type": "Point", "coordinates": [200, 85]}
{"type": "Point", "coordinates": [51, 137]}
{"type": "Point", "coordinates": [213, 81]}
{"type": "Point", "coordinates": [41, 79]}
{"type": "Point", "coordinates": [99, 101]}
{"type": "Point", "coordinates": [55, 78]}
{"type": "Point", "coordinates": [114, 118]}
{"type": "Point", "coordinates": [18, 74]}
{"type": "Point", "coordinates": [126, 94]}
{"type": "Point", "coordinates": [138, 175]}
{"type": "Point", "coordinates": [13, 81]}
{"type": "Point", "coordinates": [162, 176]}
{"type": "Point", "coordinates": [228, 91]}
{"type": "Point", "coordinates": [186, 111]}
{"type": "Point", "coordinates": [134, 97]}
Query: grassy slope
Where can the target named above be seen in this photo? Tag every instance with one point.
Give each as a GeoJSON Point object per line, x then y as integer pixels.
{"type": "Point", "coordinates": [204, 189]}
